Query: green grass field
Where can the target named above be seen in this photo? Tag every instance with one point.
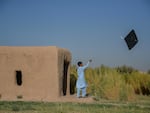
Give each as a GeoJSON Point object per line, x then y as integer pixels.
{"type": "Point", "coordinates": [142, 105]}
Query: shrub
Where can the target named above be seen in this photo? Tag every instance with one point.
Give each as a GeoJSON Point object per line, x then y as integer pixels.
{"type": "Point", "coordinates": [73, 79]}
{"type": "Point", "coordinates": [148, 72]}
{"type": "Point", "coordinates": [125, 69]}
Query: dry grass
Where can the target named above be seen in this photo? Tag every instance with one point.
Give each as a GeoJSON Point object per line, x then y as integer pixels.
{"type": "Point", "coordinates": [111, 84]}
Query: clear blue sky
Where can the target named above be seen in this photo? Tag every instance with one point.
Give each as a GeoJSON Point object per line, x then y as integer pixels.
{"type": "Point", "coordinates": [90, 29]}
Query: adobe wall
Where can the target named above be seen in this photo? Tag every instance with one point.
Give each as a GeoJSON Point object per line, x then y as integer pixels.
{"type": "Point", "coordinates": [41, 69]}
{"type": "Point", "coordinates": [64, 58]}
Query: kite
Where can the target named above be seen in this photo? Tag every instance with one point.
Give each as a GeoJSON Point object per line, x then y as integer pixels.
{"type": "Point", "coordinates": [131, 39]}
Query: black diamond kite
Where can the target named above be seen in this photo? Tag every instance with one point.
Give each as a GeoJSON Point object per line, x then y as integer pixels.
{"type": "Point", "coordinates": [131, 39]}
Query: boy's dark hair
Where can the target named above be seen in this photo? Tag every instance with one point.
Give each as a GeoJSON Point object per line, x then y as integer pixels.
{"type": "Point", "coordinates": [79, 63]}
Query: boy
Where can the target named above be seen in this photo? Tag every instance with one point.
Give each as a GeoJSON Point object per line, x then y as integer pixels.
{"type": "Point", "coordinates": [81, 83]}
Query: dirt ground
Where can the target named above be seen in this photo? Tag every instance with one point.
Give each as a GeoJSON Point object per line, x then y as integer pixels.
{"type": "Point", "coordinates": [73, 98]}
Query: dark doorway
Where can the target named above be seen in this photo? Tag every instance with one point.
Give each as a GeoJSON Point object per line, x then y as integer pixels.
{"type": "Point", "coordinates": [66, 65]}
{"type": "Point", "coordinates": [19, 78]}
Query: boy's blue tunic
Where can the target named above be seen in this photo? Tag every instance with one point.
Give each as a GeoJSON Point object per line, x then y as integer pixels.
{"type": "Point", "coordinates": [81, 83]}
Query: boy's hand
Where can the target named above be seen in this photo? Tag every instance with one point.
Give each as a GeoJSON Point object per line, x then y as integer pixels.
{"type": "Point", "coordinates": [90, 60]}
